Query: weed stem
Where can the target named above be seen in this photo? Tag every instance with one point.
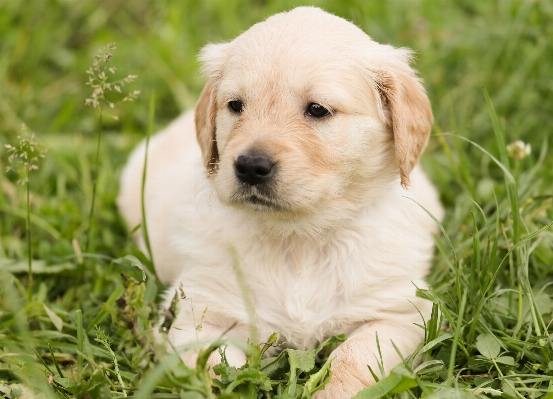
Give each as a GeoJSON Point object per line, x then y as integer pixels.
{"type": "Point", "coordinates": [94, 183]}
{"type": "Point", "coordinates": [28, 225]}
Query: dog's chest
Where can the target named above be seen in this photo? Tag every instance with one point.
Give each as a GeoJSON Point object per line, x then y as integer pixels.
{"type": "Point", "coordinates": [305, 290]}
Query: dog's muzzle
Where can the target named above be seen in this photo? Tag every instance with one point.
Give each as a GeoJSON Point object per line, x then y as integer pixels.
{"type": "Point", "coordinates": [254, 168]}
{"type": "Point", "coordinates": [255, 172]}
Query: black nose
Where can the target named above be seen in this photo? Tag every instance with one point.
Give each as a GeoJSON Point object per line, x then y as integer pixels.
{"type": "Point", "coordinates": [254, 168]}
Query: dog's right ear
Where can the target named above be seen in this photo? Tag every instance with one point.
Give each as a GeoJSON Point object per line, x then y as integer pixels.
{"type": "Point", "coordinates": [212, 57]}
{"type": "Point", "coordinates": [205, 127]}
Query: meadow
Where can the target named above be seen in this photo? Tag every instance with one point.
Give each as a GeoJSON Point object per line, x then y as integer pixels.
{"type": "Point", "coordinates": [80, 325]}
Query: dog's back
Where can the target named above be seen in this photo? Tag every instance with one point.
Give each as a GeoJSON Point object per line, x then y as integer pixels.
{"type": "Point", "coordinates": [173, 160]}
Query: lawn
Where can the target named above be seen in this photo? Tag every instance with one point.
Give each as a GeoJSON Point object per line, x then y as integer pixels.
{"type": "Point", "coordinates": [82, 325]}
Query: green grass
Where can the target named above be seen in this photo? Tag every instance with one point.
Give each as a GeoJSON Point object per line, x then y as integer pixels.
{"type": "Point", "coordinates": [493, 270]}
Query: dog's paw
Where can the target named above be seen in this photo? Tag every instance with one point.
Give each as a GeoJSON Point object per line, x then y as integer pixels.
{"type": "Point", "coordinates": [335, 389]}
{"type": "Point", "coordinates": [341, 386]}
{"type": "Point", "coordinates": [350, 373]}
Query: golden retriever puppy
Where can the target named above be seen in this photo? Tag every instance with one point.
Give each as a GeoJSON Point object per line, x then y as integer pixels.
{"type": "Point", "coordinates": [309, 135]}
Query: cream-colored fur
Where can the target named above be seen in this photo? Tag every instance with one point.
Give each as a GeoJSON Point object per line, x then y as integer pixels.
{"type": "Point", "coordinates": [336, 247]}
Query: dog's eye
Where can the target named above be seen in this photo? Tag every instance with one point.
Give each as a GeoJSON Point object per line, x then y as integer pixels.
{"type": "Point", "coordinates": [317, 110]}
{"type": "Point", "coordinates": [236, 106]}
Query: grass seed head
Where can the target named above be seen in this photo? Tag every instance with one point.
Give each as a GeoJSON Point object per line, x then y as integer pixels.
{"type": "Point", "coordinates": [98, 80]}
{"type": "Point", "coordinates": [24, 157]}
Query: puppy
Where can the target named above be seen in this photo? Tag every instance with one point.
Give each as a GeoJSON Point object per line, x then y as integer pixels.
{"type": "Point", "coordinates": [309, 135]}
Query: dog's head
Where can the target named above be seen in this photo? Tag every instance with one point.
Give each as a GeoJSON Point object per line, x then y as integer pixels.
{"type": "Point", "coordinates": [304, 118]}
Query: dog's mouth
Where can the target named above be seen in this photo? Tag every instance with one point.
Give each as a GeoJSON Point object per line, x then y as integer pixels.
{"type": "Point", "coordinates": [261, 204]}
{"type": "Point", "coordinates": [256, 202]}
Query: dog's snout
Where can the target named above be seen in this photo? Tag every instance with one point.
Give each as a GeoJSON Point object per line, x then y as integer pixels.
{"type": "Point", "coordinates": [254, 168]}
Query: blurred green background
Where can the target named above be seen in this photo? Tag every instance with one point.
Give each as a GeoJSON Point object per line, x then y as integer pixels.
{"type": "Point", "coordinates": [46, 46]}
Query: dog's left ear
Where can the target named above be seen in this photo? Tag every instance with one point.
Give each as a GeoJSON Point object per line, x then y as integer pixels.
{"type": "Point", "coordinates": [410, 112]}
{"type": "Point", "coordinates": [212, 57]}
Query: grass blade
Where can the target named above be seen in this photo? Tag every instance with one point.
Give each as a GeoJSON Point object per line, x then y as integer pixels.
{"type": "Point", "coordinates": [151, 113]}
{"type": "Point", "coordinates": [456, 338]}
{"type": "Point", "coordinates": [510, 183]}
{"type": "Point", "coordinates": [80, 341]}
{"type": "Point", "coordinates": [55, 361]}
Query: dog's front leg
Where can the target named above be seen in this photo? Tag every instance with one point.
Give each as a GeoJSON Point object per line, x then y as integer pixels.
{"type": "Point", "coordinates": [350, 361]}
{"type": "Point", "coordinates": [191, 333]}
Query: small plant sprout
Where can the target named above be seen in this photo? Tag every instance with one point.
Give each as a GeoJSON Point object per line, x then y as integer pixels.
{"type": "Point", "coordinates": [518, 150]}
{"type": "Point", "coordinates": [98, 80]}
{"type": "Point", "coordinates": [102, 339]}
{"type": "Point", "coordinates": [23, 158]}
